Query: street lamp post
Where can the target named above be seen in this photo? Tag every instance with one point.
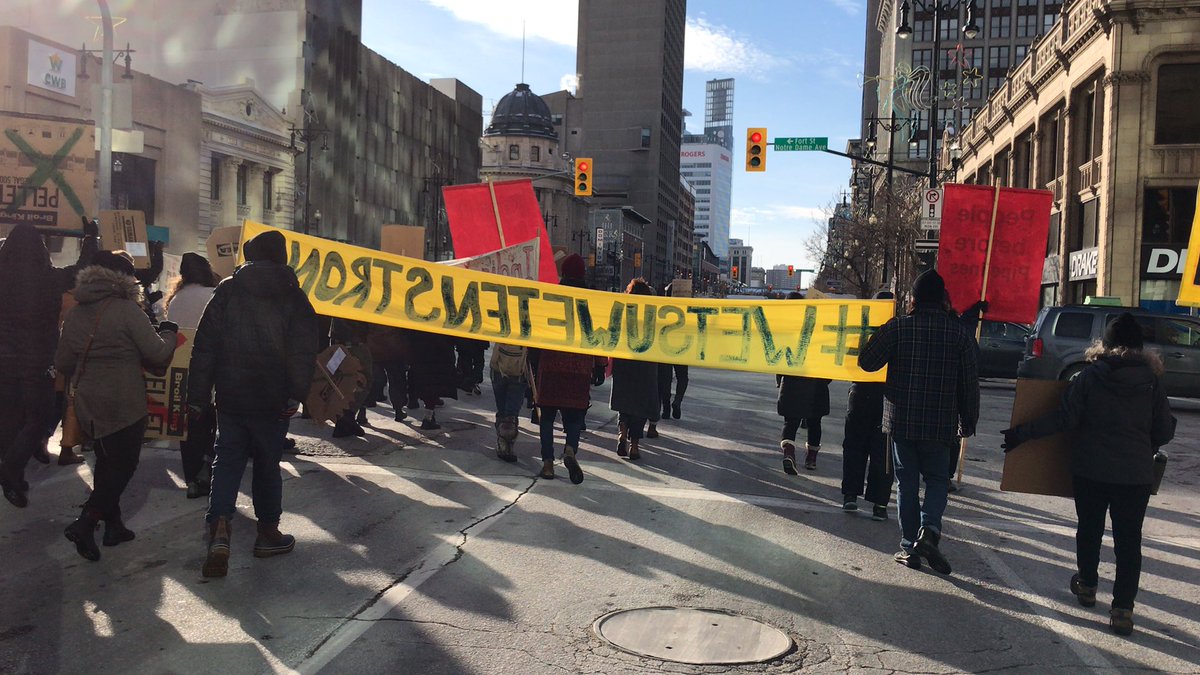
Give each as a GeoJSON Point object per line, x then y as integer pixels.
{"type": "Point", "coordinates": [904, 31]}
{"type": "Point", "coordinates": [307, 135]}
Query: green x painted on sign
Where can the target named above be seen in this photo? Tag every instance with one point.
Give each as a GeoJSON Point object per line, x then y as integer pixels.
{"type": "Point", "coordinates": [46, 169]}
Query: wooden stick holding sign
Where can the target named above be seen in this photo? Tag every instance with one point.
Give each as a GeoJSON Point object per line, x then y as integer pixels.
{"type": "Point", "coordinates": [987, 268]}
{"type": "Point", "coordinates": [496, 212]}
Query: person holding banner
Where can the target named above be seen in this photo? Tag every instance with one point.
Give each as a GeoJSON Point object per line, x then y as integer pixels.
{"type": "Point", "coordinates": [105, 342]}
{"type": "Point", "coordinates": [802, 402]}
{"type": "Point", "coordinates": [864, 450]}
{"type": "Point", "coordinates": [634, 392]}
{"type": "Point", "coordinates": [1121, 416]}
{"type": "Point", "coordinates": [257, 347]}
{"type": "Point", "coordinates": [31, 291]}
{"type": "Point", "coordinates": [563, 385]}
{"type": "Point", "coordinates": [931, 400]}
{"type": "Point", "coordinates": [185, 306]}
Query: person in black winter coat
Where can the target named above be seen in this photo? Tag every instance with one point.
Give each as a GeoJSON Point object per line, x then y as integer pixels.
{"type": "Point", "coordinates": [257, 346]}
{"type": "Point", "coordinates": [802, 402]}
{"type": "Point", "coordinates": [1120, 414]}
{"type": "Point", "coordinates": [864, 450]}
{"type": "Point", "coordinates": [31, 291]}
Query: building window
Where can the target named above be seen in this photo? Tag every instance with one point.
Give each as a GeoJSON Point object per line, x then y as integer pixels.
{"type": "Point", "coordinates": [268, 191]}
{"type": "Point", "coordinates": [1178, 100]}
{"type": "Point", "coordinates": [243, 176]}
{"type": "Point", "coordinates": [920, 150]}
{"type": "Point", "coordinates": [556, 119]}
{"type": "Point", "coordinates": [645, 137]}
{"type": "Point", "coordinates": [1027, 25]}
{"type": "Point", "coordinates": [923, 30]}
{"type": "Point", "coordinates": [214, 178]}
{"type": "Point", "coordinates": [950, 28]}
{"type": "Point", "coordinates": [1167, 215]}
{"type": "Point", "coordinates": [1001, 27]}
{"type": "Point", "coordinates": [1048, 19]}
{"type": "Point", "coordinates": [922, 58]}
{"type": "Point", "coordinates": [1019, 53]}
{"type": "Point", "coordinates": [1001, 4]}
{"type": "Point", "coordinates": [535, 153]}
{"type": "Point", "coordinates": [998, 57]}
{"type": "Point", "coordinates": [514, 152]}
{"type": "Point", "coordinates": [995, 83]}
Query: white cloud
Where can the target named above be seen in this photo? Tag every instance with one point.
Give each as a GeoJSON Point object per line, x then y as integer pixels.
{"type": "Point", "coordinates": [569, 82]}
{"type": "Point", "coordinates": [848, 6]}
{"type": "Point", "coordinates": [716, 49]}
{"type": "Point", "coordinates": [555, 21]}
{"type": "Point", "coordinates": [775, 214]}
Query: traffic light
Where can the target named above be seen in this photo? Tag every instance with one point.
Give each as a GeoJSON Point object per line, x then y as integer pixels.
{"type": "Point", "coordinates": [791, 270]}
{"type": "Point", "coordinates": [583, 176]}
{"type": "Point", "coordinates": [756, 149]}
{"type": "Point", "coordinates": [735, 272]}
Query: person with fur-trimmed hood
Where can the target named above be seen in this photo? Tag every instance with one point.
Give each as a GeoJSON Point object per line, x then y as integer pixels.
{"type": "Point", "coordinates": [31, 291]}
{"type": "Point", "coordinates": [257, 347]}
{"type": "Point", "coordinates": [106, 340]}
{"type": "Point", "coordinates": [1121, 416]}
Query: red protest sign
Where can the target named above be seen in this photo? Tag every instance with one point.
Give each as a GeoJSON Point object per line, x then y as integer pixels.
{"type": "Point", "coordinates": [1014, 272]}
{"type": "Point", "coordinates": [480, 225]}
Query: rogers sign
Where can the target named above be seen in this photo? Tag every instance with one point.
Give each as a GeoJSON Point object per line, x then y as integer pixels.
{"type": "Point", "coordinates": [692, 153]}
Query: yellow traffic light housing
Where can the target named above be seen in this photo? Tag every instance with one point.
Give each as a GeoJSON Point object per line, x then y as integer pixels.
{"type": "Point", "coordinates": [583, 176]}
{"type": "Point", "coordinates": [756, 149]}
{"type": "Point", "coordinates": [791, 270]}
{"type": "Point", "coordinates": [735, 272]}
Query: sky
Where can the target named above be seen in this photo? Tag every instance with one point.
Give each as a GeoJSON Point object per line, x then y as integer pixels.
{"type": "Point", "coordinates": [797, 65]}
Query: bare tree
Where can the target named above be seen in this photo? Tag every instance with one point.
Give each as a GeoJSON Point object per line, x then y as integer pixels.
{"type": "Point", "coordinates": [867, 244]}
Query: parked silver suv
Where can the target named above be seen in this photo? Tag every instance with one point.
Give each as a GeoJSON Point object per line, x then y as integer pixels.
{"type": "Point", "coordinates": [1055, 348]}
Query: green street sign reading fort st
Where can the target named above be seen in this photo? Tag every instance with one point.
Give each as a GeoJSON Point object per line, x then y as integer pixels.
{"type": "Point", "coordinates": [802, 143]}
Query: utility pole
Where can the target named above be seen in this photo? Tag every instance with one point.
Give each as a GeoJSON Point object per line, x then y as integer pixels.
{"type": "Point", "coordinates": [106, 109]}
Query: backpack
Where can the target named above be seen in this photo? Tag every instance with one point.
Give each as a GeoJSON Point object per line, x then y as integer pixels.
{"type": "Point", "coordinates": [509, 360]}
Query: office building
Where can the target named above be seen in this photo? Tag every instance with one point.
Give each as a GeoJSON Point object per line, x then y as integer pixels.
{"type": "Point", "coordinates": [741, 258]}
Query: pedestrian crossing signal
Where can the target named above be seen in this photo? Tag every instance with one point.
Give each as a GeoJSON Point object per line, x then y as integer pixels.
{"type": "Point", "coordinates": [583, 176]}
{"type": "Point", "coordinates": [756, 149]}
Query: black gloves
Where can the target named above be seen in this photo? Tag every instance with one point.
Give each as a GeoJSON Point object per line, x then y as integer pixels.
{"type": "Point", "coordinates": [165, 326]}
{"type": "Point", "coordinates": [1011, 439]}
{"type": "Point", "coordinates": [597, 376]}
{"type": "Point", "coordinates": [91, 228]}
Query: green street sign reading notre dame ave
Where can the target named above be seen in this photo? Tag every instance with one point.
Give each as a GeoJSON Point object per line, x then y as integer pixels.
{"type": "Point", "coordinates": [802, 143]}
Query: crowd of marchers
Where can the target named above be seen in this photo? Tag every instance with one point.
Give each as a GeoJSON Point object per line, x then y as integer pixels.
{"type": "Point", "coordinates": [75, 342]}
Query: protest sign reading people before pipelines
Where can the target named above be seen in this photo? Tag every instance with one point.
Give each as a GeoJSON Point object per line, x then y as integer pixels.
{"type": "Point", "coordinates": [814, 338]}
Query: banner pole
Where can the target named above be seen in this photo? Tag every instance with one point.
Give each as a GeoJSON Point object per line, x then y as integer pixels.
{"type": "Point", "coordinates": [987, 269]}
{"type": "Point", "coordinates": [496, 212]}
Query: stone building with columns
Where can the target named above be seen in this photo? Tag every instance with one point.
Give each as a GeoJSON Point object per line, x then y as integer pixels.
{"type": "Point", "coordinates": [1103, 113]}
{"type": "Point", "coordinates": [246, 159]}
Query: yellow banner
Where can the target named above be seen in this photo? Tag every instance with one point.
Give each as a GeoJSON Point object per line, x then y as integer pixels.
{"type": "Point", "coordinates": [1189, 286]}
{"type": "Point", "coordinates": [815, 338]}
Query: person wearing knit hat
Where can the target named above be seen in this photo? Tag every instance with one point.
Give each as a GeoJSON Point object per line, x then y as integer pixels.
{"type": "Point", "coordinates": [931, 399]}
{"type": "Point", "coordinates": [270, 246]}
{"type": "Point", "coordinates": [1120, 417]}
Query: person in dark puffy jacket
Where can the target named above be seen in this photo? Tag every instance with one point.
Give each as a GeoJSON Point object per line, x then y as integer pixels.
{"type": "Point", "coordinates": [31, 291]}
{"type": "Point", "coordinates": [802, 402]}
{"type": "Point", "coordinates": [864, 448]}
{"type": "Point", "coordinates": [634, 392]}
{"type": "Point", "coordinates": [257, 346]}
{"type": "Point", "coordinates": [1121, 416]}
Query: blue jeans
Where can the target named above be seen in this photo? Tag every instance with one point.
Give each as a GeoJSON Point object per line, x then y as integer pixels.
{"type": "Point", "coordinates": [916, 460]}
{"type": "Point", "coordinates": [240, 439]}
{"type": "Point", "coordinates": [572, 424]}
{"type": "Point", "coordinates": [509, 392]}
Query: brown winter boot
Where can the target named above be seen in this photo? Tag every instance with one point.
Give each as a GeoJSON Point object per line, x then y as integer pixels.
{"type": "Point", "coordinates": [622, 440]}
{"type": "Point", "coordinates": [68, 456]}
{"type": "Point", "coordinates": [547, 469]}
{"type": "Point", "coordinates": [216, 564]}
{"type": "Point", "coordinates": [810, 459]}
{"type": "Point", "coordinates": [271, 541]}
{"type": "Point", "coordinates": [789, 457]}
{"type": "Point", "coordinates": [635, 453]}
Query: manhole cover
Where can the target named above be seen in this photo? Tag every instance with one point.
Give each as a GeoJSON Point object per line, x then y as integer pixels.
{"type": "Point", "coordinates": [694, 636]}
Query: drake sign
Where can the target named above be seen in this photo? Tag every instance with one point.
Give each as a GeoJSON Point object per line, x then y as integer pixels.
{"type": "Point", "coordinates": [51, 68]}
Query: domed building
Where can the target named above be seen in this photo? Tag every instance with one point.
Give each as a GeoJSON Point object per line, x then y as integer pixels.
{"type": "Point", "coordinates": [522, 141]}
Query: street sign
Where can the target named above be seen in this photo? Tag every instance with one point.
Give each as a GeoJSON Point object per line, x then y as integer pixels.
{"type": "Point", "coordinates": [926, 245]}
{"type": "Point", "coordinates": [803, 143]}
{"type": "Point", "coordinates": [931, 209]}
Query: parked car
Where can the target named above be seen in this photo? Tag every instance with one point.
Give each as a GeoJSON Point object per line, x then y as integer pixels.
{"type": "Point", "coordinates": [1001, 346]}
{"type": "Point", "coordinates": [1055, 349]}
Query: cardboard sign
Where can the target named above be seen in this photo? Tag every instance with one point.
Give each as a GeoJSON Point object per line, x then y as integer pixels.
{"type": "Point", "coordinates": [126, 231]}
{"type": "Point", "coordinates": [224, 243]}
{"type": "Point", "coordinates": [170, 271]}
{"type": "Point", "coordinates": [1018, 248]}
{"type": "Point", "coordinates": [520, 261]}
{"type": "Point", "coordinates": [47, 172]}
{"type": "Point", "coordinates": [681, 288]}
{"type": "Point", "coordinates": [485, 217]}
{"type": "Point", "coordinates": [1189, 287]}
{"type": "Point", "coordinates": [336, 380]}
{"type": "Point", "coordinates": [166, 395]}
{"type": "Point", "coordinates": [405, 240]}
{"type": "Point", "coordinates": [1042, 466]}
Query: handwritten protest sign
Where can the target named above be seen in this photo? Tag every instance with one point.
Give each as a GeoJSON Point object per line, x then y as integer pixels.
{"type": "Point", "coordinates": [166, 394]}
{"type": "Point", "coordinates": [1018, 248]}
{"type": "Point", "coordinates": [224, 243]}
{"type": "Point", "coordinates": [47, 171]}
{"type": "Point", "coordinates": [798, 337]}
{"type": "Point", "coordinates": [489, 216]}
{"type": "Point", "coordinates": [520, 261]}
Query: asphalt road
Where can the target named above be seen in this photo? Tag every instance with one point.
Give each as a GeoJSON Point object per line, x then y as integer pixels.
{"type": "Point", "coordinates": [423, 553]}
